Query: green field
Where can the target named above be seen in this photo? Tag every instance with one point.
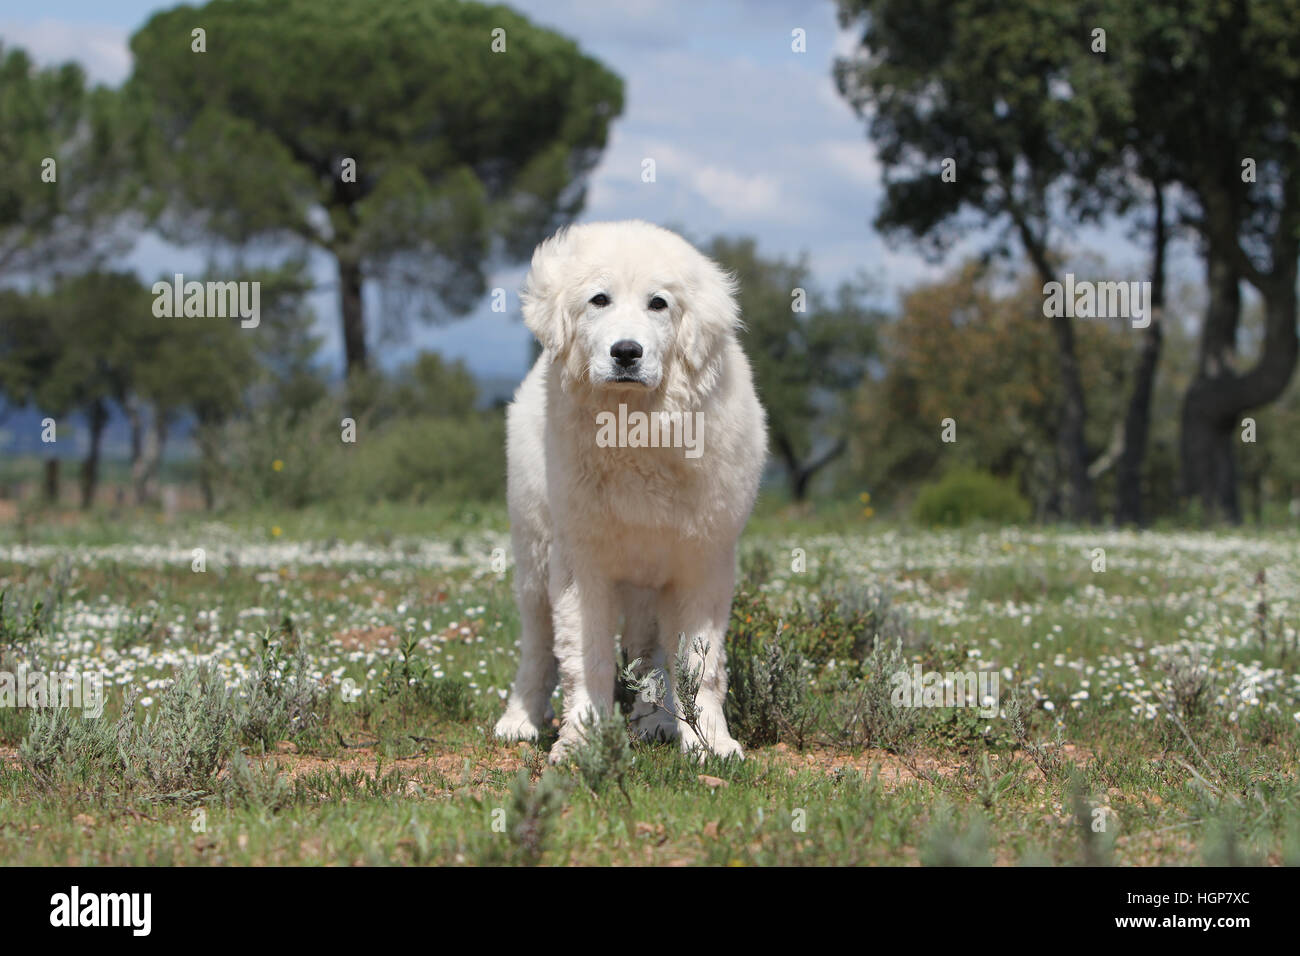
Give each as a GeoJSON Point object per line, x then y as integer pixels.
{"type": "Point", "coordinates": [340, 674]}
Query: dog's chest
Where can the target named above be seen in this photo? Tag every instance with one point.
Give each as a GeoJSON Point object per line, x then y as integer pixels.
{"type": "Point", "coordinates": [628, 492]}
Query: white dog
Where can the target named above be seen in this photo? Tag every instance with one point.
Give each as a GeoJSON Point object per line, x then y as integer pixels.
{"type": "Point", "coordinates": [635, 448]}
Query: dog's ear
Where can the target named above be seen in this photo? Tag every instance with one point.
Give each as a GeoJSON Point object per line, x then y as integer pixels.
{"type": "Point", "coordinates": [544, 298]}
{"type": "Point", "coordinates": [710, 314]}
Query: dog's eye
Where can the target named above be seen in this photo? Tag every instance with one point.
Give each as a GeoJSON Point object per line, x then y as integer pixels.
{"type": "Point", "coordinates": [599, 300]}
{"type": "Point", "coordinates": [657, 304]}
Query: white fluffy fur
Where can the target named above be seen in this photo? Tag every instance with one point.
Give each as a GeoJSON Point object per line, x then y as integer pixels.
{"type": "Point", "coordinates": [647, 535]}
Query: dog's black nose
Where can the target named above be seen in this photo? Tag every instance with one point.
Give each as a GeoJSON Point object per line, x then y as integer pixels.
{"type": "Point", "coordinates": [625, 352]}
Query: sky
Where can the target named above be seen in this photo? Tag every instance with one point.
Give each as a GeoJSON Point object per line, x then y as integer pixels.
{"type": "Point", "coordinates": [748, 137]}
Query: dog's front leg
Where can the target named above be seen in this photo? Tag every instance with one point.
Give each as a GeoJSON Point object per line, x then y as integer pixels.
{"type": "Point", "coordinates": [585, 621]}
{"type": "Point", "coordinates": [695, 611]}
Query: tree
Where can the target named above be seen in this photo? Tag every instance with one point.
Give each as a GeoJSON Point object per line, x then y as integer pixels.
{"type": "Point", "coordinates": [412, 140]}
{"type": "Point", "coordinates": [29, 351]}
{"type": "Point", "coordinates": [978, 91]}
{"type": "Point", "coordinates": [71, 350]}
{"type": "Point", "coordinates": [72, 193]}
{"type": "Point", "coordinates": [70, 156]}
{"type": "Point", "coordinates": [807, 354]}
{"type": "Point", "coordinates": [1127, 165]}
{"type": "Point", "coordinates": [1231, 76]}
{"type": "Point", "coordinates": [963, 351]}
{"type": "Point", "coordinates": [96, 317]}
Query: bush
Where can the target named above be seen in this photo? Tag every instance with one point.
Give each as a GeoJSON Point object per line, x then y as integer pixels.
{"type": "Point", "coordinates": [767, 692]}
{"type": "Point", "coordinates": [289, 460]}
{"type": "Point", "coordinates": [965, 495]}
{"type": "Point", "coordinates": [605, 755]}
{"type": "Point", "coordinates": [776, 656]}
{"type": "Point", "coordinates": [423, 459]}
{"type": "Point", "coordinates": [187, 738]}
{"type": "Point", "coordinates": [178, 751]}
{"type": "Point", "coordinates": [861, 712]}
{"type": "Point", "coordinates": [280, 699]}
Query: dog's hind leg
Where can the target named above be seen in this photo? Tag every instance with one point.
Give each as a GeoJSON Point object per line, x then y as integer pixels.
{"type": "Point", "coordinates": [648, 719]}
{"type": "Point", "coordinates": [529, 706]}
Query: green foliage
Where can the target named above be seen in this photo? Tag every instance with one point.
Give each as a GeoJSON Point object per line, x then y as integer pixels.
{"type": "Point", "coordinates": [428, 459]}
{"type": "Point", "coordinates": [93, 136]}
{"type": "Point", "coordinates": [820, 671]}
{"type": "Point", "coordinates": [414, 459]}
{"type": "Point", "coordinates": [409, 682]}
{"type": "Point", "coordinates": [768, 693]}
{"type": "Point", "coordinates": [176, 753]}
{"type": "Point", "coordinates": [1004, 394]}
{"type": "Point", "coordinates": [861, 711]}
{"type": "Point", "coordinates": [280, 699]}
{"type": "Point", "coordinates": [965, 495]}
{"type": "Point", "coordinates": [186, 739]}
{"type": "Point", "coordinates": [843, 625]}
{"type": "Point", "coordinates": [460, 151]}
{"type": "Point", "coordinates": [950, 842]}
{"type": "Point", "coordinates": [805, 361]}
{"type": "Point", "coordinates": [532, 814]}
{"type": "Point", "coordinates": [604, 758]}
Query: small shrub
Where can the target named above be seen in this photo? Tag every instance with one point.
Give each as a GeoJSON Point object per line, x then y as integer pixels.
{"type": "Point", "coordinates": [861, 711]}
{"type": "Point", "coordinates": [768, 696]}
{"type": "Point", "coordinates": [289, 458]}
{"type": "Point", "coordinates": [1191, 686]}
{"type": "Point", "coordinates": [652, 684]}
{"type": "Point", "coordinates": [867, 618]}
{"type": "Point", "coordinates": [187, 738]}
{"type": "Point", "coordinates": [756, 567]}
{"type": "Point", "coordinates": [62, 746]}
{"type": "Point", "coordinates": [947, 843]}
{"type": "Point", "coordinates": [177, 752]}
{"type": "Point", "coordinates": [532, 813]}
{"type": "Point", "coordinates": [965, 495]}
{"type": "Point", "coordinates": [280, 699]}
{"type": "Point", "coordinates": [605, 755]}
{"type": "Point", "coordinates": [410, 684]}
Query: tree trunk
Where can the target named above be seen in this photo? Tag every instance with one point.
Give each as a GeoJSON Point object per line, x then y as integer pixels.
{"type": "Point", "coordinates": [801, 475]}
{"type": "Point", "coordinates": [354, 324]}
{"type": "Point", "coordinates": [153, 475]}
{"type": "Point", "coordinates": [1218, 395]}
{"type": "Point", "coordinates": [135, 418]}
{"type": "Point", "coordinates": [206, 489]}
{"type": "Point", "coordinates": [1078, 502]}
{"type": "Point", "coordinates": [205, 436]}
{"type": "Point", "coordinates": [1137, 419]}
{"type": "Point", "coordinates": [144, 473]}
{"type": "Point", "coordinates": [97, 417]}
{"type": "Point", "coordinates": [52, 480]}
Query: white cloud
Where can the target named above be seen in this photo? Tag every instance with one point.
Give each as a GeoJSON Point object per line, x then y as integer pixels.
{"type": "Point", "coordinates": [854, 160]}
{"type": "Point", "coordinates": [101, 49]}
{"type": "Point", "coordinates": [743, 195]}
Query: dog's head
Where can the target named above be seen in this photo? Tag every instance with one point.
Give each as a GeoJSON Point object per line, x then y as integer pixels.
{"type": "Point", "coordinates": [628, 306]}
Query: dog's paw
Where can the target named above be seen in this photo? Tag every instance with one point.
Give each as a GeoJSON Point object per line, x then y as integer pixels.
{"type": "Point", "coordinates": [515, 725]}
{"type": "Point", "coordinates": [654, 725]}
{"type": "Point", "coordinates": [725, 746]}
{"type": "Point", "coordinates": [564, 747]}
{"type": "Point", "coordinates": [716, 744]}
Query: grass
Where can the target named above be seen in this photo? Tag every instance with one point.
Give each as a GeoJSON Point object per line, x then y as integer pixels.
{"type": "Point", "coordinates": [322, 693]}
